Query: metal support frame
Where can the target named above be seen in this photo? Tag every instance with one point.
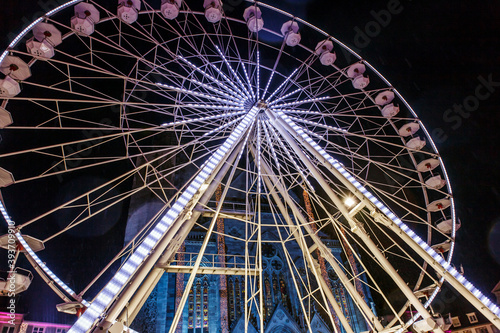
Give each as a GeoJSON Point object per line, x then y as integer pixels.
{"type": "Point", "coordinates": [285, 129]}
{"type": "Point", "coordinates": [465, 288]}
{"type": "Point", "coordinates": [325, 252]}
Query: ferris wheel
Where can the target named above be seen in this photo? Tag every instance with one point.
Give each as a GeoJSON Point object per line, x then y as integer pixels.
{"type": "Point", "coordinates": [244, 118]}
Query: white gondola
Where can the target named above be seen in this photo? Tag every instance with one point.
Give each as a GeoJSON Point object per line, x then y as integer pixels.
{"type": "Point", "coordinates": [360, 82]}
{"type": "Point", "coordinates": [409, 129]}
{"type": "Point", "coordinates": [442, 247]}
{"type": "Point", "coordinates": [324, 50]}
{"type": "Point", "coordinates": [6, 178]}
{"type": "Point", "coordinates": [47, 32]}
{"type": "Point", "coordinates": [86, 15]}
{"type": "Point", "coordinates": [385, 97]}
{"type": "Point", "coordinates": [253, 18]}
{"type": "Point", "coordinates": [9, 87]}
{"type": "Point", "coordinates": [170, 8]}
{"type": "Point", "coordinates": [416, 143]}
{"type": "Point", "coordinates": [290, 31]}
{"type": "Point", "coordinates": [5, 118]}
{"type": "Point", "coordinates": [356, 70]}
{"type": "Point", "coordinates": [424, 325]}
{"type": "Point", "coordinates": [15, 67]}
{"type": "Point", "coordinates": [128, 10]}
{"type": "Point", "coordinates": [70, 307]}
{"type": "Point", "coordinates": [213, 10]}
{"type": "Point", "coordinates": [41, 49]}
{"type": "Point", "coordinates": [438, 205]}
{"type": "Point", "coordinates": [16, 282]}
{"type": "Point", "coordinates": [446, 226]}
{"type": "Point", "coordinates": [45, 37]}
{"type": "Point", "coordinates": [390, 110]}
{"type": "Point", "coordinates": [428, 165]}
{"type": "Point", "coordinates": [443, 322]}
{"type": "Point", "coordinates": [435, 182]}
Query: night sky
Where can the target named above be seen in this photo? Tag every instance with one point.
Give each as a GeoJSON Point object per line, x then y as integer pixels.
{"type": "Point", "coordinates": [438, 55]}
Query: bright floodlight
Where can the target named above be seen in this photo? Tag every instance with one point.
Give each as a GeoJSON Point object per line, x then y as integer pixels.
{"type": "Point", "coordinates": [349, 202]}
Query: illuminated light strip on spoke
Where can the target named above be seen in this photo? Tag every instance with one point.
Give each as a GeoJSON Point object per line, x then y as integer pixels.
{"type": "Point", "coordinates": [129, 268]}
{"type": "Point", "coordinates": [222, 127]}
{"type": "Point", "coordinates": [282, 84]}
{"type": "Point", "coordinates": [35, 257]}
{"type": "Point", "coordinates": [268, 84]}
{"type": "Point", "coordinates": [187, 121]}
{"type": "Point", "coordinates": [311, 100]}
{"type": "Point", "coordinates": [289, 154]}
{"type": "Point", "coordinates": [259, 152]}
{"type": "Point", "coordinates": [436, 256]}
{"type": "Point", "coordinates": [195, 93]}
{"type": "Point", "coordinates": [205, 74]}
{"type": "Point", "coordinates": [209, 106]}
{"type": "Point", "coordinates": [248, 80]}
{"type": "Point", "coordinates": [258, 75]}
{"type": "Point", "coordinates": [233, 71]}
{"type": "Point", "coordinates": [270, 144]}
{"type": "Point", "coordinates": [286, 96]}
{"type": "Point", "coordinates": [208, 87]}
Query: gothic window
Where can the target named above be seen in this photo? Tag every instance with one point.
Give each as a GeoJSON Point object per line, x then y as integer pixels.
{"type": "Point", "coordinates": [276, 291]}
{"type": "Point", "coordinates": [276, 264]}
{"type": "Point", "coordinates": [205, 303]}
{"type": "Point", "coordinates": [268, 250]}
{"type": "Point", "coordinates": [190, 309]}
{"type": "Point", "coordinates": [198, 304]}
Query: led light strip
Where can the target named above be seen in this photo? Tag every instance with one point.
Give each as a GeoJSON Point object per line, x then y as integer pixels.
{"type": "Point", "coordinates": [195, 93]}
{"type": "Point", "coordinates": [205, 74]}
{"type": "Point", "coordinates": [129, 268]}
{"type": "Point", "coordinates": [258, 75]}
{"type": "Point", "coordinates": [270, 144]}
{"type": "Point", "coordinates": [232, 71]}
{"type": "Point", "coordinates": [182, 122]}
{"type": "Point", "coordinates": [29, 27]}
{"type": "Point", "coordinates": [290, 156]}
{"type": "Point", "coordinates": [446, 265]}
{"type": "Point", "coordinates": [311, 100]}
{"type": "Point", "coordinates": [39, 262]}
{"type": "Point", "coordinates": [282, 84]}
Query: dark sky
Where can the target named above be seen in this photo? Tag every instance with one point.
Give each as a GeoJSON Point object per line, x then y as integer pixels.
{"type": "Point", "coordinates": [436, 54]}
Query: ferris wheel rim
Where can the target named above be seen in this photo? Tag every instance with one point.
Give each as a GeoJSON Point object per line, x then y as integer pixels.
{"type": "Point", "coordinates": [373, 69]}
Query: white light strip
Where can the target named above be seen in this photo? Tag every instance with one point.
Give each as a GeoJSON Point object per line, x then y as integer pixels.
{"type": "Point", "coordinates": [311, 100]}
{"type": "Point", "coordinates": [233, 71]}
{"type": "Point", "coordinates": [286, 151]}
{"type": "Point", "coordinates": [282, 84]}
{"type": "Point", "coordinates": [198, 94]}
{"type": "Point", "coordinates": [268, 84]}
{"type": "Point", "coordinates": [35, 257]}
{"type": "Point", "coordinates": [286, 96]}
{"type": "Point", "coordinates": [222, 127]}
{"type": "Point", "coordinates": [209, 106]}
{"type": "Point", "coordinates": [337, 165]}
{"type": "Point", "coordinates": [112, 288]}
{"type": "Point", "coordinates": [208, 87]}
{"type": "Point", "coordinates": [258, 75]}
{"type": "Point", "coordinates": [205, 74]}
{"type": "Point", "coordinates": [29, 27]}
{"type": "Point", "coordinates": [271, 146]}
{"type": "Point", "coordinates": [182, 122]}
{"type": "Point", "coordinates": [259, 152]}
{"type": "Point", "coordinates": [248, 80]}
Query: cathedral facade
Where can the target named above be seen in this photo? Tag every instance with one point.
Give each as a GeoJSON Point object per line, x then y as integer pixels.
{"type": "Point", "coordinates": [204, 309]}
